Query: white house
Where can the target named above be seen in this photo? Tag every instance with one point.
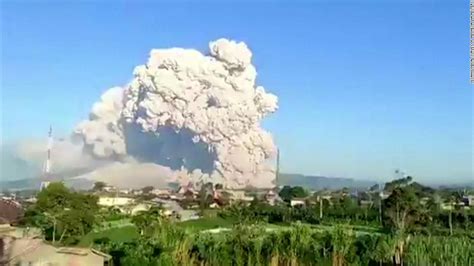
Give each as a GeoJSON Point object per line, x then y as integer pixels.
{"type": "Point", "coordinates": [161, 193]}
{"type": "Point", "coordinates": [139, 207]}
{"type": "Point", "coordinates": [109, 189]}
{"type": "Point", "coordinates": [239, 195]}
{"type": "Point", "coordinates": [297, 201]}
{"type": "Point", "coordinates": [125, 191]}
{"type": "Point", "coordinates": [468, 200]}
{"type": "Point", "coordinates": [114, 201]}
{"type": "Point", "coordinates": [34, 251]}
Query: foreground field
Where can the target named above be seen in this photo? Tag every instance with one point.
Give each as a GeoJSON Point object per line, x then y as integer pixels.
{"type": "Point", "coordinates": [207, 242]}
{"type": "Point", "coordinates": [118, 234]}
{"type": "Point", "coordinates": [122, 231]}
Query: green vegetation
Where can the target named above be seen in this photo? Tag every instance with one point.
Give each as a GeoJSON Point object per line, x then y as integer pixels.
{"type": "Point", "coordinates": [409, 227]}
{"type": "Point", "coordinates": [206, 223]}
{"type": "Point", "coordinates": [253, 244]}
{"type": "Point", "coordinates": [63, 216]}
{"type": "Point", "coordinates": [99, 186]}
{"type": "Point", "coordinates": [287, 193]}
{"type": "Point", "coordinates": [118, 235]}
{"type": "Point", "coordinates": [441, 251]}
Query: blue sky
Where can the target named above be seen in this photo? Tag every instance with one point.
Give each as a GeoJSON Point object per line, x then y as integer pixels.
{"type": "Point", "coordinates": [364, 87]}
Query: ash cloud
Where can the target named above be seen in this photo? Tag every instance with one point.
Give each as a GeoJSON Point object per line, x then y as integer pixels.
{"type": "Point", "coordinates": [184, 116]}
{"type": "Point", "coordinates": [193, 113]}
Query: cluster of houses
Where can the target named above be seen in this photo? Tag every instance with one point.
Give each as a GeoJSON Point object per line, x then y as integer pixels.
{"type": "Point", "coordinates": [25, 246]}
{"type": "Point", "coordinates": [181, 203]}
{"type": "Point", "coordinates": [19, 246]}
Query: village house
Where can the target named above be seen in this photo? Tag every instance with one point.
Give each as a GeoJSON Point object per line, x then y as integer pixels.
{"type": "Point", "coordinates": [24, 246]}
{"type": "Point", "coordinates": [272, 198]}
{"type": "Point", "coordinates": [468, 200]}
{"type": "Point", "coordinates": [106, 201]}
{"type": "Point", "coordinates": [34, 251]}
{"type": "Point", "coordinates": [297, 202]}
{"type": "Point", "coordinates": [161, 193]}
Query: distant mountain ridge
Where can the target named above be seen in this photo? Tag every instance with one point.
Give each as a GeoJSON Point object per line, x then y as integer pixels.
{"type": "Point", "coordinates": [322, 182]}
{"type": "Point", "coordinates": [285, 179]}
{"type": "Point", "coordinates": [34, 183]}
{"type": "Point", "coordinates": [306, 181]}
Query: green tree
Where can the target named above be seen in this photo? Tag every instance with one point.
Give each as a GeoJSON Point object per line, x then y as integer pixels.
{"type": "Point", "coordinates": [398, 183]}
{"type": "Point", "coordinates": [62, 213]}
{"type": "Point", "coordinates": [342, 240]}
{"type": "Point", "coordinates": [384, 250]}
{"type": "Point", "coordinates": [147, 189]}
{"type": "Point", "coordinates": [146, 220]}
{"type": "Point", "coordinates": [205, 196]}
{"type": "Point", "coordinates": [287, 193]}
{"type": "Point", "coordinates": [374, 188]}
{"type": "Point", "coordinates": [402, 208]}
{"type": "Point", "coordinates": [99, 186]}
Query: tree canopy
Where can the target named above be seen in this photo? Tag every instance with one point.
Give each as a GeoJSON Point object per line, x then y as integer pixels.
{"type": "Point", "coordinates": [147, 189]}
{"type": "Point", "coordinates": [62, 213]}
{"type": "Point", "coordinates": [287, 193]}
{"type": "Point", "coordinates": [99, 186]}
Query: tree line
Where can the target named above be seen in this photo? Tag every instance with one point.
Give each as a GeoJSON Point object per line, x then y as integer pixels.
{"type": "Point", "coordinates": [407, 231]}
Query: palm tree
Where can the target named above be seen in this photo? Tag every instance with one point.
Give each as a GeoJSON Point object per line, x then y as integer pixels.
{"type": "Point", "coordinates": [384, 250]}
{"type": "Point", "coordinates": [145, 220]}
{"type": "Point", "coordinates": [342, 241]}
{"type": "Point", "coordinates": [274, 248]}
{"type": "Point", "coordinates": [451, 201]}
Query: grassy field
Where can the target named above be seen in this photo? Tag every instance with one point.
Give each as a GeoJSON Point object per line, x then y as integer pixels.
{"type": "Point", "coordinates": [357, 229]}
{"type": "Point", "coordinates": [119, 234]}
{"type": "Point", "coordinates": [113, 224]}
{"type": "Point", "coordinates": [206, 223]}
{"type": "Point", "coordinates": [124, 231]}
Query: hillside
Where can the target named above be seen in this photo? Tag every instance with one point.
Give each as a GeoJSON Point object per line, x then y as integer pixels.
{"type": "Point", "coordinates": [309, 182]}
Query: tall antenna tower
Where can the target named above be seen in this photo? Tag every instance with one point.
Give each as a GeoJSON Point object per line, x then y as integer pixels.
{"type": "Point", "coordinates": [277, 172]}
{"type": "Point", "coordinates": [47, 163]}
{"type": "Point", "coordinates": [472, 39]}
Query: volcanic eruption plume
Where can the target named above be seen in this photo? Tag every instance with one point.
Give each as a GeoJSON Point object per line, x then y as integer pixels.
{"type": "Point", "coordinates": [198, 115]}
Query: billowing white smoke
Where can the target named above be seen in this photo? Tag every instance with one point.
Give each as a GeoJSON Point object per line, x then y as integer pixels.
{"type": "Point", "coordinates": [197, 115]}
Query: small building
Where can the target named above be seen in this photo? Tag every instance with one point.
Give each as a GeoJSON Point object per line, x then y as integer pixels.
{"type": "Point", "coordinates": [186, 215]}
{"type": "Point", "coordinates": [468, 200]}
{"type": "Point", "coordinates": [424, 200]}
{"type": "Point", "coordinates": [31, 200]}
{"type": "Point", "coordinates": [366, 203]}
{"type": "Point", "coordinates": [452, 205]}
{"type": "Point", "coordinates": [239, 195]}
{"type": "Point", "coordinates": [139, 208]}
{"type": "Point", "coordinates": [161, 193]}
{"type": "Point", "coordinates": [137, 192]}
{"type": "Point", "coordinates": [7, 230]}
{"type": "Point", "coordinates": [187, 190]}
{"type": "Point", "coordinates": [34, 251]}
{"type": "Point", "coordinates": [298, 202]}
{"type": "Point", "coordinates": [272, 198]}
{"type": "Point", "coordinates": [214, 205]}
{"type": "Point", "coordinates": [125, 191]}
{"type": "Point", "coordinates": [114, 201]}
{"type": "Point", "coordinates": [384, 195]}
{"type": "Point", "coordinates": [109, 189]}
